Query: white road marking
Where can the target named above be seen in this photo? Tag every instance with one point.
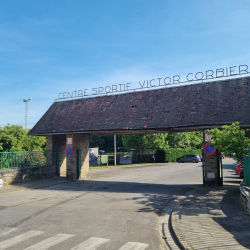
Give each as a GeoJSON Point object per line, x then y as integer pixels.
{"type": "Point", "coordinates": [15, 240]}
{"type": "Point", "coordinates": [91, 244]}
{"type": "Point", "coordinates": [52, 241]}
{"type": "Point", "coordinates": [6, 231]}
{"type": "Point", "coordinates": [134, 246]}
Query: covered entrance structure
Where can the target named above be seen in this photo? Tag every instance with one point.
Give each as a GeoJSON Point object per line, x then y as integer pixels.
{"type": "Point", "coordinates": [195, 107]}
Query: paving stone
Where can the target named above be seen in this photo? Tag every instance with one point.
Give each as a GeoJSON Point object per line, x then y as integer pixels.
{"type": "Point", "coordinates": [212, 220]}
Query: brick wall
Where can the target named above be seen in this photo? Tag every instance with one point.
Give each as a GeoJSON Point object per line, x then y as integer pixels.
{"type": "Point", "coordinates": [80, 141]}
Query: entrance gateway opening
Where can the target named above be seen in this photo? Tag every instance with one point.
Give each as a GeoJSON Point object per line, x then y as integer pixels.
{"type": "Point", "coordinates": [67, 125]}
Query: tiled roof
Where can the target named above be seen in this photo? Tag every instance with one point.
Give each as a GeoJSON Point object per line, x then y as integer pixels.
{"type": "Point", "coordinates": [180, 107]}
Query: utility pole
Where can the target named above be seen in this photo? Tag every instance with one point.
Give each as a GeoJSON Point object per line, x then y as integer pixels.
{"type": "Point", "coordinates": [26, 111]}
{"type": "Point", "coordinates": [115, 149]}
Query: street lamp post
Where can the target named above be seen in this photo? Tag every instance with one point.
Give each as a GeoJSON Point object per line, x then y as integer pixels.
{"type": "Point", "coordinates": [26, 111]}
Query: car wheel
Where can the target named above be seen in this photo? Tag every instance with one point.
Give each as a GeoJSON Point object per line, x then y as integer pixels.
{"type": "Point", "coordinates": [179, 161]}
{"type": "Point", "coordinates": [193, 161]}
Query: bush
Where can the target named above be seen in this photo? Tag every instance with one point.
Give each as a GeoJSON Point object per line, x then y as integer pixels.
{"type": "Point", "coordinates": [173, 153]}
{"type": "Point", "coordinates": [160, 155]}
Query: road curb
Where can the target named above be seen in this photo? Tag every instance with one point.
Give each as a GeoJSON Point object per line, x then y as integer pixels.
{"type": "Point", "coordinates": [177, 233]}
{"type": "Point", "coordinates": [167, 226]}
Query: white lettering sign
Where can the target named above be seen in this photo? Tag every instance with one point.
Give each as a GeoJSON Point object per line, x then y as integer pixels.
{"type": "Point", "coordinates": [160, 82]}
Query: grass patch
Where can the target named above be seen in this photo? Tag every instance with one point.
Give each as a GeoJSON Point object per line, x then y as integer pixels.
{"type": "Point", "coordinates": [119, 166]}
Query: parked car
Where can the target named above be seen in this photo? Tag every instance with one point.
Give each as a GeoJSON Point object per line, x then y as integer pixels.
{"type": "Point", "coordinates": [101, 152]}
{"type": "Point", "coordinates": [241, 173]}
{"type": "Point", "coordinates": [189, 158]}
{"type": "Point", "coordinates": [238, 167]}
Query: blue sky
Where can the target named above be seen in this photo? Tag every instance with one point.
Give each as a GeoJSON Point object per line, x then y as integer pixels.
{"type": "Point", "coordinates": [53, 46]}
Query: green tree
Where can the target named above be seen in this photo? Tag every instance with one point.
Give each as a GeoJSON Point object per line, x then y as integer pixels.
{"type": "Point", "coordinates": [105, 142]}
{"type": "Point", "coordinates": [34, 143]}
{"type": "Point", "coordinates": [134, 142]}
{"type": "Point", "coordinates": [15, 138]}
{"type": "Point", "coordinates": [145, 143]}
{"type": "Point", "coordinates": [196, 139]}
{"type": "Point", "coordinates": [185, 139]}
{"type": "Point", "coordinates": [231, 139]}
{"type": "Point", "coordinates": [11, 138]}
{"type": "Point", "coordinates": [156, 141]}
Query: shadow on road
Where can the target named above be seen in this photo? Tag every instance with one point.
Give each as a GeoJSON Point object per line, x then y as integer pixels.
{"type": "Point", "coordinates": [235, 219]}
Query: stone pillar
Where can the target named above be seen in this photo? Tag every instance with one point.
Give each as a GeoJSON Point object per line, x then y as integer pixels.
{"type": "Point", "coordinates": [212, 169]}
{"type": "Point", "coordinates": [71, 169]}
{"type": "Point", "coordinates": [49, 145]}
{"type": "Point", "coordinates": [81, 141]}
{"type": "Point", "coordinates": [211, 177]}
{"type": "Point", "coordinates": [59, 143]}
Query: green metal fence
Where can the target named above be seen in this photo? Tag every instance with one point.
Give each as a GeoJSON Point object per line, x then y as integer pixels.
{"type": "Point", "coordinates": [23, 159]}
{"type": "Point", "coordinates": [246, 164]}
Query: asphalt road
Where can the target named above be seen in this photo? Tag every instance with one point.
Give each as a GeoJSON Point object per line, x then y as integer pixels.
{"type": "Point", "coordinates": [119, 207]}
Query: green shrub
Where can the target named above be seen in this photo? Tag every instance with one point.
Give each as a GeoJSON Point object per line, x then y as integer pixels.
{"type": "Point", "coordinates": [173, 153]}
{"type": "Point", "coordinates": [160, 155]}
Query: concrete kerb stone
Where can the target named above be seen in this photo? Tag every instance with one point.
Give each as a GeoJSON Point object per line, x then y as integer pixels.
{"type": "Point", "coordinates": [167, 227]}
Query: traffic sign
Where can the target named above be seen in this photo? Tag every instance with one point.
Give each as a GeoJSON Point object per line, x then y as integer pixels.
{"type": "Point", "coordinates": [208, 149]}
{"type": "Point", "coordinates": [69, 151]}
{"type": "Point", "coordinates": [208, 137]}
{"type": "Point", "coordinates": [69, 140]}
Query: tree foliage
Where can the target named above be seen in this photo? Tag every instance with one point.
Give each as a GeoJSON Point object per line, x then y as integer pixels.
{"type": "Point", "coordinates": [231, 139]}
{"type": "Point", "coordinates": [145, 143]}
{"type": "Point", "coordinates": [15, 138]}
{"type": "Point", "coordinates": [142, 143]}
{"type": "Point", "coordinates": [160, 155]}
{"type": "Point", "coordinates": [134, 142]}
{"type": "Point", "coordinates": [185, 140]}
{"type": "Point", "coordinates": [105, 142]}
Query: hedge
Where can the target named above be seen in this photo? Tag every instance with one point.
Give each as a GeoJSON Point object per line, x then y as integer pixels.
{"type": "Point", "coordinates": [173, 153]}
